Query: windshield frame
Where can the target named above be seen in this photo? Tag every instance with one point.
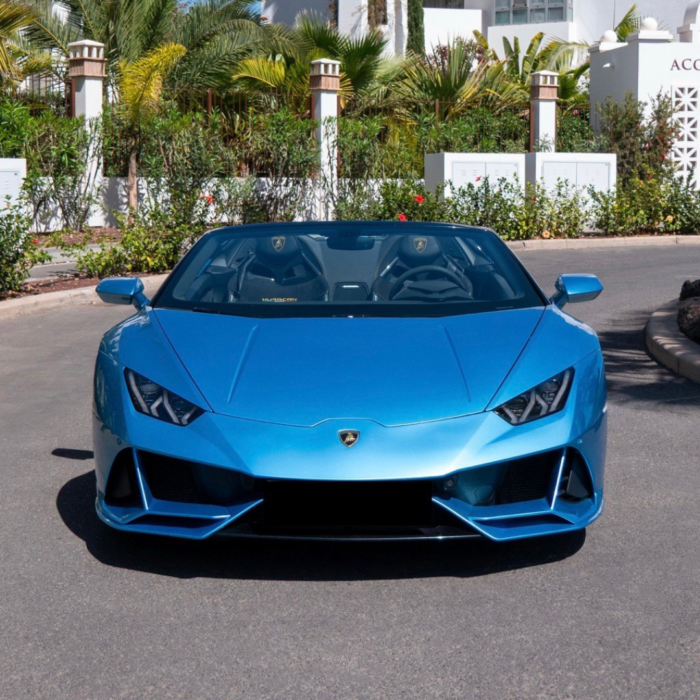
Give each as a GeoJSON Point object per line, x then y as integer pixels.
{"type": "Point", "coordinates": [165, 299]}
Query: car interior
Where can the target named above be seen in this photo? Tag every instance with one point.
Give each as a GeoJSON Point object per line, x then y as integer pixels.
{"type": "Point", "coordinates": [313, 268]}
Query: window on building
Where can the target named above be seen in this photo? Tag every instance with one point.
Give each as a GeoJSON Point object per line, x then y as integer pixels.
{"type": "Point", "coordinates": [532, 11]}
{"type": "Point", "coordinates": [445, 4]}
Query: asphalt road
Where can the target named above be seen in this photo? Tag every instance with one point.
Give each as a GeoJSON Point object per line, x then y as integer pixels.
{"type": "Point", "coordinates": [87, 613]}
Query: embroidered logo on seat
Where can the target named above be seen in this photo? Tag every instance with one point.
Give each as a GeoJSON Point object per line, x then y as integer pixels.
{"type": "Point", "coordinates": [420, 244]}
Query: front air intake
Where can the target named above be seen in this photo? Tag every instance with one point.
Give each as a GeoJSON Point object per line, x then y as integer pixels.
{"type": "Point", "coordinates": [528, 479]}
{"type": "Point", "coordinates": [122, 485]}
{"type": "Point", "coordinates": [576, 484]}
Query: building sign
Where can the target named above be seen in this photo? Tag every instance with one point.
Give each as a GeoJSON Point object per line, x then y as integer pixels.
{"type": "Point", "coordinates": [687, 64]}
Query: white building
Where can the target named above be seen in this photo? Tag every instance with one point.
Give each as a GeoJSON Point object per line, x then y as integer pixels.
{"type": "Point", "coordinates": [570, 20]}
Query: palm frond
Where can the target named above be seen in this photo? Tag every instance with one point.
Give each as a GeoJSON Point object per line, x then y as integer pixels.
{"type": "Point", "coordinates": [141, 82]}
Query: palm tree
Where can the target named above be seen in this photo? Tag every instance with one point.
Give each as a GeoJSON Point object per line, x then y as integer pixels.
{"type": "Point", "coordinates": [457, 76]}
{"type": "Point", "coordinates": [17, 61]}
{"type": "Point", "coordinates": [362, 64]}
{"type": "Point", "coordinates": [217, 34]}
{"type": "Point", "coordinates": [140, 87]}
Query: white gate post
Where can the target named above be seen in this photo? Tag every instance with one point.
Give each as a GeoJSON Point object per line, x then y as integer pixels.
{"type": "Point", "coordinates": [325, 84]}
{"type": "Point", "coordinates": [86, 68]}
{"type": "Point", "coordinates": [544, 93]}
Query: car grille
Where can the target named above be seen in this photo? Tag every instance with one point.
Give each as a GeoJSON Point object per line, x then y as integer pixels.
{"type": "Point", "coordinates": [171, 479]}
{"type": "Point", "coordinates": [528, 479]}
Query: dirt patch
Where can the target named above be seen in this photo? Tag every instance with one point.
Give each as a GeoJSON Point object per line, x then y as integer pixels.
{"type": "Point", "coordinates": [57, 284]}
{"type": "Point", "coordinates": [96, 235]}
{"type": "Point", "coordinates": [53, 285]}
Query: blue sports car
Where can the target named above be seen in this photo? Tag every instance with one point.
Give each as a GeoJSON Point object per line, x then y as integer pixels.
{"type": "Point", "coordinates": [350, 381]}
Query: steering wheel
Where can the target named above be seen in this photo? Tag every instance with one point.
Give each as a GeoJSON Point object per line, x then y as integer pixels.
{"type": "Point", "coordinates": [447, 274]}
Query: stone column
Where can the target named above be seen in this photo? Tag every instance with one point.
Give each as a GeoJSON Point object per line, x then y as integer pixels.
{"type": "Point", "coordinates": [86, 68]}
{"type": "Point", "coordinates": [544, 93]}
{"type": "Point", "coordinates": [325, 84]}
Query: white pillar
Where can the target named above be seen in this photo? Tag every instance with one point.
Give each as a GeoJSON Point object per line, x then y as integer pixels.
{"type": "Point", "coordinates": [86, 68]}
{"type": "Point", "coordinates": [325, 84]}
{"type": "Point", "coordinates": [544, 93]}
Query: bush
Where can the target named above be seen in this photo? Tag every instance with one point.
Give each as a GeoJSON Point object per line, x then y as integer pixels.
{"type": "Point", "coordinates": [181, 156]}
{"type": "Point", "coordinates": [59, 179]}
{"type": "Point", "coordinates": [512, 213]}
{"type": "Point", "coordinates": [642, 206]}
{"type": "Point", "coordinates": [18, 250]}
{"type": "Point", "coordinates": [478, 130]}
{"type": "Point", "coordinates": [150, 242]}
{"type": "Point", "coordinates": [57, 150]}
{"type": "Point", "coordinates": [280, 148]}
{"type": "Point", "coordinates": [642, 144]}
{"type": "Point", "coordinates": [574, 133]}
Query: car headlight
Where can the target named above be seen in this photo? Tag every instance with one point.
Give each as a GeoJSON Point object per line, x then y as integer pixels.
{"type": "Point", "coordinates": [544, 400]}
{"type": "Point", "coordinates": [153, 400]}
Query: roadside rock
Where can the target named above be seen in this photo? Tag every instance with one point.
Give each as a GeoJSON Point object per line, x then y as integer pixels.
{"type": "Point", "coordinates": [690, 289]}
{"type": "Point", "coordinates": [689, 318]}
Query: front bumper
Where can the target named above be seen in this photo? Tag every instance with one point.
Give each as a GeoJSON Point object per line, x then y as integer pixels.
{"type": "Point", "coordinates": [549, 493]}
{"type": "Point", "coordinates": [466, 465]}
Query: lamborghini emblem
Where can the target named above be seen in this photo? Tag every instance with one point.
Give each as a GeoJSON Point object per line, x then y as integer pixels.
{"type": "Point", "coordinates": [278, 243]}
{"type": "Point", "coordinates": [349, 437]}
{"type": "Point", "coordinates": [420, 244]}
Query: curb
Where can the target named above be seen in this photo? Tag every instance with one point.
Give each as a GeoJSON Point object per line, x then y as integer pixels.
{"type": "Point", "coordinates": [573, 243]}
{"type": "Point", "coordinates": [669, 346]}
{"type": "Point", "coordinates": [68, 297]}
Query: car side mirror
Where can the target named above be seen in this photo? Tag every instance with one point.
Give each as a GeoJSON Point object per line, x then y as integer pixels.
{"type": "Point", "coordinates": [122, 290]}
{"type": "Point", "coordinates": [575, 289]}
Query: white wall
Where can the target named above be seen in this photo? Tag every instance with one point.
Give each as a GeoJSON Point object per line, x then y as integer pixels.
{"type": "Point", "coordinates": [352, 17]}
{"type": "Point", "coordinates": [442, 26]}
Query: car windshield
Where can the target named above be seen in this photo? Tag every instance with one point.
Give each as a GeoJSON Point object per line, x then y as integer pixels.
{"type": "Point", "coordinates": [366, 270]}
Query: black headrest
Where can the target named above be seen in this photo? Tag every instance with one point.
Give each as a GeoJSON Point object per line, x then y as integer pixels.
{"type": "Point", "coordinates": [277, 251]}
{"type": "Point", "coordinates": [419, 250]}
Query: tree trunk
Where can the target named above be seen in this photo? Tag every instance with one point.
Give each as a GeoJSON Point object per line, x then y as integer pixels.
{"type": "Point", "coordinates": [132, 179]}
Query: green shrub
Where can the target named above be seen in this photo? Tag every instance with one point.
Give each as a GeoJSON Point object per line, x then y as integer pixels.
{"type": "Point", "coordinates": [57, 151]}
{"type": "Point", "coordinates": [280, 149]}
{"type": "Point", "coordinates": [181, 156]}
{"type": "Point", "coordinates": [18, 248]}
{"type": "Point", "coordinates": [642, 143]}
{"type": "Point", "coordinates": [150, 242]}
{"type": "Point", "coordinates": [59, 155]}
{"type": "Point", "coordinates": [477, 130]}
{"type": "Point", "coordinates": [641, 206]}
{"type": "Point", "coordinates": [15, 128]}
{"type": "Point", "coordinates": [502, 206]}
{"type": "Point", "coordinates": [574, 132]}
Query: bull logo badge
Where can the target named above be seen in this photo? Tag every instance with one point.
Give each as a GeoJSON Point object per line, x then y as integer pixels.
{"type": "Point", "coordinates": [420, 244]}
{"type": "Point", "coordinates": [349, 437]}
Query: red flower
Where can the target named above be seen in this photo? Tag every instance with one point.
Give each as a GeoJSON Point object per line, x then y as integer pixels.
{"type": "Point", "coordinates": [576, 113]}
{"type": "Point", "coordinates": [478, 179]}
{"type": "Point", "coordinates": [420, 198]}
{"type": "Point", "coordinates": [35, 241]}
{"type": "Point", "coordinates": [403, 217]}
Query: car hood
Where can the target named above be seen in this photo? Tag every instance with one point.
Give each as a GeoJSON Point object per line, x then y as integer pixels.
{"type": "Point", "coordinates": [394, 371]}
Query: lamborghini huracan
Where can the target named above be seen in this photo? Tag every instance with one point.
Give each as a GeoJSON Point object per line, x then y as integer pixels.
{"type": "Point", "coordinates": [350, 381]}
